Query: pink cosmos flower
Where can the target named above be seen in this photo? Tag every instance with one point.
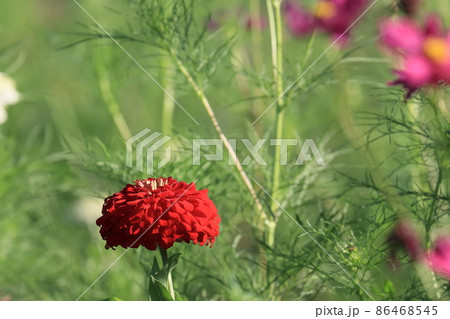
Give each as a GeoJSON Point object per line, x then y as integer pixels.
{"type": "Point", "coordinates": [299, 21]}
{"type": "Point", "coordinates": [336, 16]}
{"type": "Point", "coordinates": [439, 257]}
{"type": "Point", "coordinates": [424, 52]}
{"type": "Point", "coordinates": [403, 35]}
{"type": "Point", "coordinates": [406, 237]}
{"type": "Point", "coordinates": [333, 17]}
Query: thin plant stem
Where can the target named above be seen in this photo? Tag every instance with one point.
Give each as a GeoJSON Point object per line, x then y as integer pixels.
{"type": "Point", "coordinates": [168, 103]}
{"type": "Point", "coordinates": [273, 35]}
{"type": "Point", "coordinates": [201, 95]}
{"type": "Point", "coordinates": [356, 137]}
{"type": "Point", "coordinates": [431, 212]}
{"type": "Point", "coordinates": [165, 258]}
{"type": "Point", "coordinates": [276, 33]}
{"type": "Point", "coordinates": [257, 60]}
{"type": "Point", "coordinates": [276, 40]}
{"type": "Point", "coordinates": [308, 50]}
{"type": "Point", "coordinates": [279, 50]}
{"type": "Point", "coordinates": [170, 285]}
{"type": "Point", "coordinates": [439, 114]}
{"type": "Point", "coordinates": [417, 180]}
{"type": "Point", "coordinates": [391, 196]}
{"type": "Point", "coordinates": [110, 100]}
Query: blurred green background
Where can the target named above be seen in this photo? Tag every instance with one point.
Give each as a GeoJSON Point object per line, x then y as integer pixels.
{"type": "Point", "coordinates": [51, 149]}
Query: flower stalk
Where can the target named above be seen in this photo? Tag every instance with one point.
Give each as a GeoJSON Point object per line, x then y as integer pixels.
{"type": "Point", "coordinates": [164, 258]}
{"type": "Point", "coordinates": [205, 102]}
{"type": "Point", "coordinates": [276, 40]}
{"type": "Point", "coordinates": [276, 34]}
{"type": "Point", "coordinates": [168, 102]}
{"type": "Point", "coordinates": [110, 100]}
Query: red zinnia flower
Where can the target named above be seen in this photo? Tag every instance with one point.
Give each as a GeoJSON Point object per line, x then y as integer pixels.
{"type": "Point", "coordinates": [158, 212]}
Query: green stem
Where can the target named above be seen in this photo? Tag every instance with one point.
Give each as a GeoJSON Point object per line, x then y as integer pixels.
{"type": "Point", "coordinates": [201, 95]}
{"type": "Point", "coordinates": [436, 182]}
{"type": "Point", "coordinates": [276, 37]}
{"type": "Point", "coordinates": [108, 97]}
{"type": "Point", "coordinates": [168, 103]}
{"type": "Point", "coordinates": [308, 51]}
{"type": "Point", "coordinates": [165, 258]}
{"type": "Point", "coordinates": [431, 214]}
{"type": "Point", "coordinates": [279, 49]}
{"type": "Point", "coordinates": [277, 168]}
{"type": "Point", "coordinates": [276, 32]}
{"type": "Point", "coordinates": [273, 35]}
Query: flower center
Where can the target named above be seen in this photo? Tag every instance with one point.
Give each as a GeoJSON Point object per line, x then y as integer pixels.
{"type": "Point", "coordinates": [325, 10]}
{"type": "Point", "coordinates": [436, 49]}
{"type": "Point", "coordinates": [153, 184]}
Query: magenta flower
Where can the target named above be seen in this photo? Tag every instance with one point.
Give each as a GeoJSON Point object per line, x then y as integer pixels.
{"type": "Point", "coordinates": [333, 17]}
{"type": "Point", "coordinates": [336, 16]}
{"type": "Point", "coordinates": [402, 35]}
{"type": "Point", "coordinates": [439, 257]}
{"type": "Point", "coordinates": [298, 20]}
{"type": "Point", "coordinates": [424, 52]}
{"type": "Point", "coordinates": [405, 236]}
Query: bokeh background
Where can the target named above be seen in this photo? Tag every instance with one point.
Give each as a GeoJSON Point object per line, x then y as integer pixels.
{"type": "Point", "coordinates": [60, 154]}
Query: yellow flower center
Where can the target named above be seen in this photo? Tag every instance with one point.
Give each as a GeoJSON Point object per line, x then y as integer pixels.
{"type": "Point", "coordinates": [436, 49]}
{"type": "Point", "coordinates": [325, 10]}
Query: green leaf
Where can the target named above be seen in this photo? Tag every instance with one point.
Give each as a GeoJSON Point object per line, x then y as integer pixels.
{"type": "Point", "coordinates": [155, 267]}
{"type": "Point", "coordinates": [162, 274]}
{"type": "Point", "coordinates": [112, 299]}
{"type": "Point", "coordinates": [179, 297]}
{"type": "Point", "coordinates": [157, 291]}
{"type": "Point", "coordinates": [389, 288]}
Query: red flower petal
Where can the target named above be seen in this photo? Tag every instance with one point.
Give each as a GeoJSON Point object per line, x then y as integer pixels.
{"type": "Point", "coordinates": [158, 212]}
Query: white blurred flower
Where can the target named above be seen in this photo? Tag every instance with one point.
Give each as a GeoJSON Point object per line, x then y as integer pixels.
{"type": "Point", "coordinates": [3, 115]}
{"type": "Point", "coordinates": [8, 95]}
{"type": "Point", "coordinates": [87, 210]}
